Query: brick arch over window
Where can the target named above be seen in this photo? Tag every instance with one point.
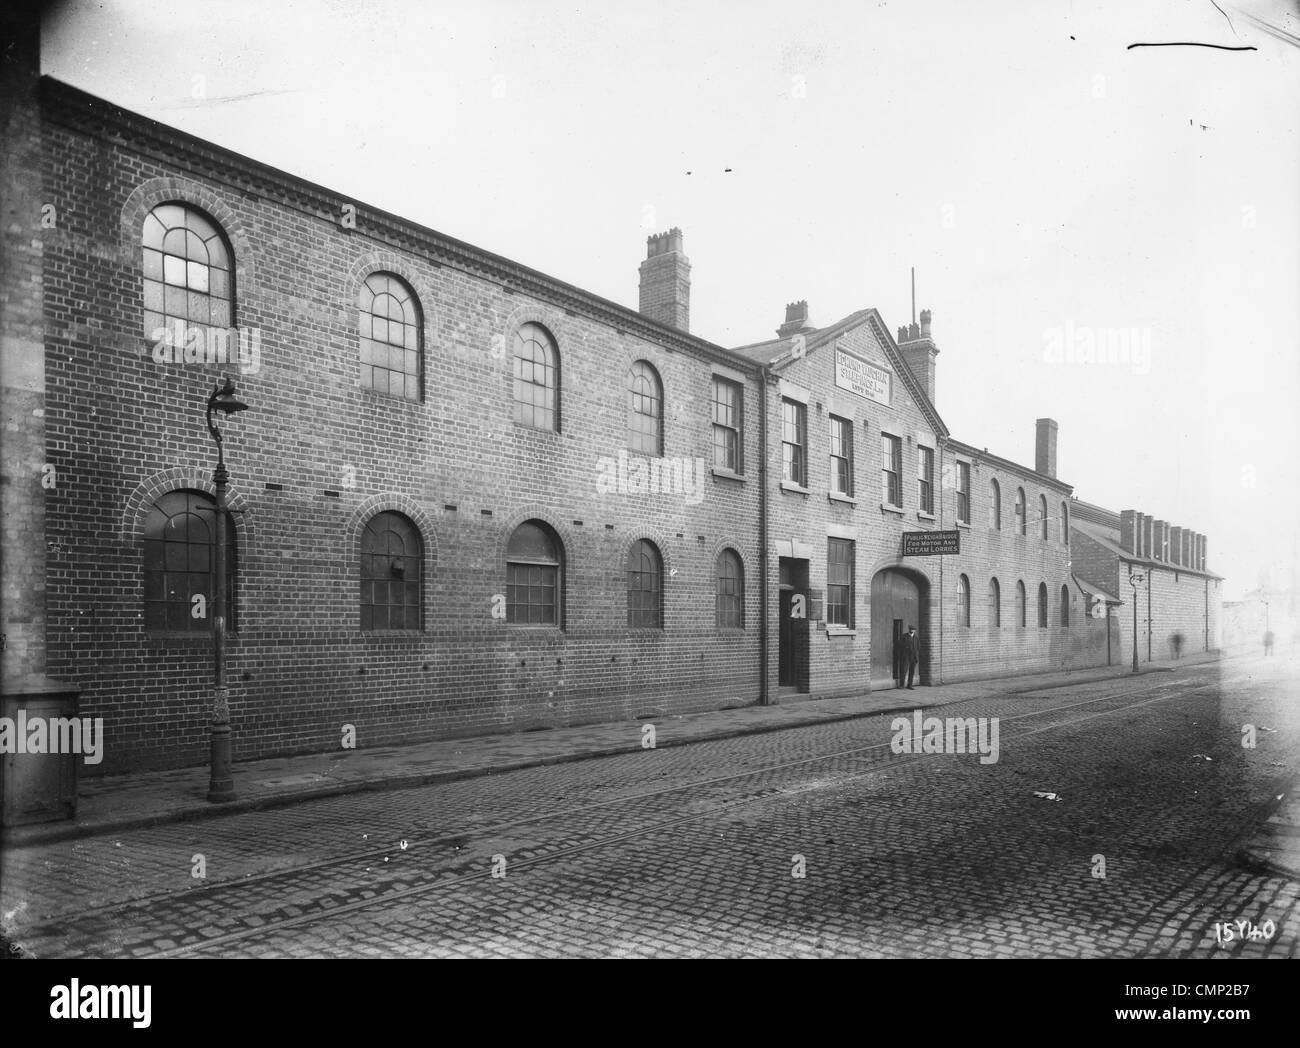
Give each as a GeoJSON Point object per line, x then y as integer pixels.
{"type": "Point", "coordinates": [562, 531]}
{"type": "Point", "coordinates": [388, 262]}
{"type": "Point", "coordinates": [389, 502]}
{"type": "Point", "coordinates": [148, 195]}
{"type": "Point", "coordinates": [139, 502]}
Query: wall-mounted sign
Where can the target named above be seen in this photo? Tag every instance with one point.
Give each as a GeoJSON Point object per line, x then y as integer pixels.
{"type": "Point", "coordinates": [863, 378]}
{"type": "Point", "coordinates": [930, 543]}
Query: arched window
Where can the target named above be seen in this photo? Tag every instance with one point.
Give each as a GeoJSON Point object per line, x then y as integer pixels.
{"type": "Point", "coordinates": [1020, 604]}
{"type": "Point", "coordinates": [1042, 517]}
{"type": "Point", "coordinates": [995, 506]}
{"type": "Point", "coordinates": [187, 273]}
{"type": "Point", "coordinates": [645, 410]}
{"type": "Point", "coordinates": [1022, 525]}
{"type": "Point", "coordinates": [537, 378]}
{"type": "Point", "coordinates": [645, 585]}
{"type": "Point", "coordinates": [963, 600]}
{"type": "Point", "coordinates": [179, 565]}
{"type": "Point", "coordinates": [731, 591]}
{"type": "Point", "coordinates": [390, 337]}
{"type": "Point", "coordinates": [392, 562]}
{"type": "Point", "coordinates": [995, 603]}
{"type": "Point", "coordinates": [534, 576]}
{"type": "Point", "coordinates": [1065, 524]}
{"type": "Point", "coordinates": [1042, 605]}
{"type": "Point", "coordinates": [1065, 605]}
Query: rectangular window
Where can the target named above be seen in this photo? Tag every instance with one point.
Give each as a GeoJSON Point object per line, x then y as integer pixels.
{"type": "Point", "coordinates": [794, 442]}
{"type": "Point", "coordinates": [963, 492]}
{"type": "Point", "coordinates": [727, 425]}
{"type": "Point", "coordinates": [839, 582]}
{"type": "Point", "coordinates": [891, 469]}
{"type": "Point", "coordinates": [841, 456]}
{"type": "Point", "coordinates": [925, 479]}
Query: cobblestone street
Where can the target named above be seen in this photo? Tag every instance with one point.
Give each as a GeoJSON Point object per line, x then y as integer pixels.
{"type": "Point", "coordinates": [814, 841]}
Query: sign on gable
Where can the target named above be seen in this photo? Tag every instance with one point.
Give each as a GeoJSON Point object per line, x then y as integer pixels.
{"type": "Point", "coordinates": [861, 377]}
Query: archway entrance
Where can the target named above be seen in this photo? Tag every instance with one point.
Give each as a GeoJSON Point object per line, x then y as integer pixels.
{"type": "Point", "coordinates": [898, 600]}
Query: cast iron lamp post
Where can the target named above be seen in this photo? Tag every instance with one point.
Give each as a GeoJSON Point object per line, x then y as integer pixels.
{"type": "Point", "coordinates": [1135, 581]}
{"type": "Point", "coordinates": [221, 785]}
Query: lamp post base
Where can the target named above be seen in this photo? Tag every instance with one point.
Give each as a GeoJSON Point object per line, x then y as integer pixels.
{"type": "Point", "coordinates": [221, 785]}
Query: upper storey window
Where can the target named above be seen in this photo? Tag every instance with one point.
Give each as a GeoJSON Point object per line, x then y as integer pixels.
{"type": "Point", "coordinates": [187, 272]}
{"type": "Point", "coordinates": [390, 337]}
{"type": "Point", "coordinates": [537, 378]}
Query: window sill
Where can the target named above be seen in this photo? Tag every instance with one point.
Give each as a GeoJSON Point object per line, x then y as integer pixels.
{"type": "Point", "coordinates": [963, 524]}
{"type": "Point", "coordinates": [798, 489]}
{"type": "Point", "coordinates": [836, 496]}
{"type": "Point", "coordinates": [393, 634]}
{"type": "Point", "coordinates": [885, 507]}
{"type": "Point", "coordinates": [922, 515]}
{"type": "Point", "coordinates": [841, 631]}
{"type": "Point", "coordinates": [726, 474]}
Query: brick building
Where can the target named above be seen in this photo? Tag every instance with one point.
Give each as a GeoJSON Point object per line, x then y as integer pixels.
{"type": "Point", "coordinates": [467, 497]}
{"type": "Point", "coordinates": [859, 455]}
{"type": "Point", "coordinates": [1177, 597]}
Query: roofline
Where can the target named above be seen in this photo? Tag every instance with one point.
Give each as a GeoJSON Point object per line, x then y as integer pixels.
{"type": "Point", "coordinates": [96, 117]}
{"type": "Point", "coordinates": [1141, 562]}
{"type": "Point", "coordinates": [1015, 467]}
{"type": "Point", "coordinates": [871, 316]}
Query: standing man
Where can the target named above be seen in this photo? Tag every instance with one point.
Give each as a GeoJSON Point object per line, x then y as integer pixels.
{"type": "Point", "coordinates": [1268, 642]}
{"type": "Point", "coordinates": [911, 654]}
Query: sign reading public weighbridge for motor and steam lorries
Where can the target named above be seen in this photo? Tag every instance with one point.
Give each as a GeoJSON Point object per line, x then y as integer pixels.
{"type": "Point", "coordinates": [930, 543]}
{"type": "Point", "coordinates": [861, 377]}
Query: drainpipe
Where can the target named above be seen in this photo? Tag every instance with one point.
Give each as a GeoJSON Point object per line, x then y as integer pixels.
{"type": "Point", "coordinates": [763, 698]}
{"type": "Point", "coordinates": [1149, 627]}
{"type": "Point", "coordinates": [936, 606]}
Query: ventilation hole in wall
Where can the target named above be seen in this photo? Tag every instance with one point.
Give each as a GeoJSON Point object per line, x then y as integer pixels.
{"type": "Point", "coordinates": [274, 487]}
{"type": "Point", "coordinates": [680, 535]}
{"type": "Point", "coordinates": [425, 666]}
{"type": "Point", "coordinates": [247, 675]}
{"type": "Point", "coordinates": [522, 661]}
{"type": "Point", "coordinates": [577, 523]}
{"type": "Point", "coordinates": [361, 670]}
{"type": "Point", "coordinates": [701, 538]}
{"type": "Point", "coordinates": [330, 494]}
{"type": "Point", "coordinates": [613, 658]}
{"type": "Point", "coordinates": [486, 512]}
{"type": "Point", "coordinates": [609, 527]}
{"type": "Point", "coordinates": [449, 508]}
{"type": "Point", "coordinates": [559, 662]}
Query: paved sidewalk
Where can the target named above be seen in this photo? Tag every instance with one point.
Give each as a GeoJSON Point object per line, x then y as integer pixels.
{"type": "Point", "coordinates": [111, 804]}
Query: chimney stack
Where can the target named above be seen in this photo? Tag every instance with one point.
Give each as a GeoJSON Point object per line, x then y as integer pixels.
{"type": "Point", "coordinates": [1045, 447]}
{"type": "Point", "coordinates": [666, 281]}
{"type": "Point", "coordinates": [1139, 534]}
{"type": "Point", "coordinates": [796, 320]}
{"type": "Point", "coordinates": [1160, 538]}
{"type": "Point", "coordinates": [1127, 529]}
{"type": "Point", "coordinates": [919, 351]}
{"type": "Point", "coordinates": [1176, 546]}
{"type": "Point", "coordinates": [1148, 537]}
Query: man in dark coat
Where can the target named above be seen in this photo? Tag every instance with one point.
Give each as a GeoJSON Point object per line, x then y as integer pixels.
{"type": "Point", "coordinates": [911, 654]}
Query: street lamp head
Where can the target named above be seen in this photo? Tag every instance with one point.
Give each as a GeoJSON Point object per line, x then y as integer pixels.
{"type": "Point", "coordinates": [223, 399]}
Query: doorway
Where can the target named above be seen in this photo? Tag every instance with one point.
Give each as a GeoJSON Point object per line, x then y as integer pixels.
{"type": "Point", "coordinates": [794, 615]}
{"type": "Point", "coordinates": [898, 600]}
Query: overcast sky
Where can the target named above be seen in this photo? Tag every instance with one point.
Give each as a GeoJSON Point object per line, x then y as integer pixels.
{"type": "Point", "coordinates": [1051, 186]}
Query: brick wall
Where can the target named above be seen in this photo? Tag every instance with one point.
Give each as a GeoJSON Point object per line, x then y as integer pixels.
{"type": "Point", "coordinates": [123, 428]}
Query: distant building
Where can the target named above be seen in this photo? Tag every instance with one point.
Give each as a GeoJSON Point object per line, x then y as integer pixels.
{"type": "Point", "coordinates": [1178, 599]}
